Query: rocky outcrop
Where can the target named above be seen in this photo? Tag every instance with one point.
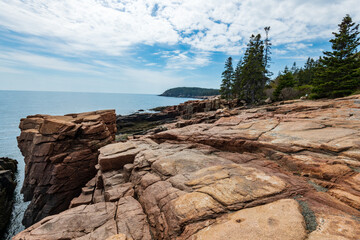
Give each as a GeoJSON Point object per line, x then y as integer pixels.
{"type": "Point", "coordinates": [8, 167]}
{"type": "Point", "coordinates": [190, 112]}
{"type": "Point", "coordinates": [290, 170]}
{"type": "Point", "coordinates": [187, 109]}
{"type": "Point", "coordinates": [97, 221]}
{"type": "Point", "coordinates": [60, 155]}
{"type": "Point", "coordinates": [141, 123]}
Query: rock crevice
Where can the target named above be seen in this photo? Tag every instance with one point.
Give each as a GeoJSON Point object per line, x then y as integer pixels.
{"type": "Point", "coordinates": [284, 171]}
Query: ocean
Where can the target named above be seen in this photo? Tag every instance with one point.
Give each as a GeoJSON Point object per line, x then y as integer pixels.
{"type": "Point", "coordinates": [19, 104]}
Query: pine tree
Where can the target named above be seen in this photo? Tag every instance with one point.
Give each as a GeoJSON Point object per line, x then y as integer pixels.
{"type": "Point", "coordinates": [338, 72]}
{"type": "Point", "coordinates": [285, 80]}
{"type": "Point", "coordinates": [294, 68]}
{"type": "Point", "coordinates": [306, 74]}
{"type": "Point", "coordinates": [227, 79]}
{"type": "Point", "coordinates": [236, 86]}
{"type": "Point", "coordinates": [253, 71]}
{"type": "Point", "coordinates": [267, 57]}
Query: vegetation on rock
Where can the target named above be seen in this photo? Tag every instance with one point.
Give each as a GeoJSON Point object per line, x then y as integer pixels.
{"type": "Point", "coordinates": [336, 74]}
{"type": "Point", "coordinates": [248, 80]}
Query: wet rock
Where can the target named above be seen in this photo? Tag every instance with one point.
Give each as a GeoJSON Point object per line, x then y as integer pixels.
{"type": "Point", "coordinates": [8, 167]}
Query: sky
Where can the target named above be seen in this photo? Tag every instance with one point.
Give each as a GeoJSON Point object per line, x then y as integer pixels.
{"type": "Point", "coordinates": [148, 46]}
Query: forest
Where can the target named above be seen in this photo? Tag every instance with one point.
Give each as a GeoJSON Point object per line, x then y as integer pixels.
{"type": "Point", "coordinates": [335, 74]}
{"type": "Point", "coordinates": [190, 92]}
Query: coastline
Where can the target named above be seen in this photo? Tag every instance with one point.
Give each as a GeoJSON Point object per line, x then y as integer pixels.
{"type": "Point", "coordinates": [19, 104]}
{"type": "Point", "coordinates": [190, 96]}
{"type": "Point", "coordinates": [283, 155]}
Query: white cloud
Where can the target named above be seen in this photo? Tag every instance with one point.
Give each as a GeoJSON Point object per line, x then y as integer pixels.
{"type": "Point", "coordinates": [101, 38]}
{"type": "Point", "coordinates": [150, 64]}
{"type": "Point", "coordinates": [185, 59]}
{"type": "Point", "coordinates": [18, 60]}
{"type": "Point", "coordinates": [99, 76]}
{"type": "Point", "coordinates": [279, 51]}
{"type": "Point", "coordinates": [10, 70]}
{"type": "Point", "coordinates": [297, 46]}
{"type": "Point", "coordinates": [112, 27]}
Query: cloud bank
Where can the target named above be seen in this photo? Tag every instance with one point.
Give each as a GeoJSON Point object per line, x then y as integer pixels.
{"type": "Point", "coordinates": [113, 28]}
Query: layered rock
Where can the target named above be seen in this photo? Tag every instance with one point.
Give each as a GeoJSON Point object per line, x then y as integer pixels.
{"type": "Point", "coordinates": [187, 109]}
{"type": "Point", "coordinates": [8, 167]}
{"type": "Point", "coordinates": [96, 221]}
{"type": "Point", "coordinates": [60, 156]}
{"type": "Point", "coordinates": [190, 112]}
{"type": "Point", "coordinates": [284, 171]}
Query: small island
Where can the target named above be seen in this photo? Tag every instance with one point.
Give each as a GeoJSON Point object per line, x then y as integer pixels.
{"type": "Point", "coordinates": [190, 92]}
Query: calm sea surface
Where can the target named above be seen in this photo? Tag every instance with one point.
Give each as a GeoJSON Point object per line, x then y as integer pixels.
{"type": "Point", "coordinates": [19, 104]}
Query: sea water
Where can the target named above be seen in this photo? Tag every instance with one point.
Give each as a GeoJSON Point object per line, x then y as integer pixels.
{"type": "Point", "coordinates": [15, 105]}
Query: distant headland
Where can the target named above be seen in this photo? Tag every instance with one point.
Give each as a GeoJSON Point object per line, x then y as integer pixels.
{"type": "Point", "coordinates": [190, 92]}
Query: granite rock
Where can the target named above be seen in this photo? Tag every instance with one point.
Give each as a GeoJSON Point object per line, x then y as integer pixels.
{"type": "Point", "coordinates": [60, 155]}
{"type": "Point", "coordinates": [287, 170]}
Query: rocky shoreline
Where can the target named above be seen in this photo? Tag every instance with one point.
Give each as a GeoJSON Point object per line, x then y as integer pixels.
{"type": "Point", "coordinates": [190, 112]}
{"type": "Point", "coordinates": [288, 170]}
{"type": "Point", "coordinates": [8, 167]}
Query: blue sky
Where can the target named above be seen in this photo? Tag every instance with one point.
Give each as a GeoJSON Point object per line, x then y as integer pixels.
{"type": "Point", "coordinates": [148, 46]}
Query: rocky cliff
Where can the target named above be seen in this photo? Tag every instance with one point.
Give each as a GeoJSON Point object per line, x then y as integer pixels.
{"type": "Point", "coordinates": [289, 170]}
{"type": "Point", "coordinates": [8, 167]}
{"type": "Point", "coordinates": [60, 155]}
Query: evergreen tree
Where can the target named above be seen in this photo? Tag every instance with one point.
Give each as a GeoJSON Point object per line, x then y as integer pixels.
{"type": "Point", "coordinates": [236, 86]}
{"type": "Point", "coordinates": [306, 74]}
{"type": "Point", "coordinates": [294, 68]}
{"type": "Point", "coordinates": [267, 57]}
{"type": "Point", "coordinates": [338, 72]}
{"type": "Point", "coordinates": [253, 71]}
{"type": "Point", "coordinates": [227, 79]}
{"type": "Point", "coordinates": [285, 80]}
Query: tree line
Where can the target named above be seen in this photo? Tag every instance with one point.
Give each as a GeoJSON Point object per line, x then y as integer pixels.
{"type": "Point", "coordinates": [336, 74]}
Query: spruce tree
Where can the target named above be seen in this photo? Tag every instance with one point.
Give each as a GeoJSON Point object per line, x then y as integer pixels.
{"type": "Point", "coordinates": [338, 72]}
{"type": "Point", "coordinates": [236, 86]}
{"type": "Point", "coordinates": [227, 79]}
{"type": "Point", "coordinates": [285, 80]}
{"type": "Point", "coordinates": [253, 71]}
{"type": "Point", "coordinates": [267, 57]}
{"type": "Point", "coordinates": [306, 74]}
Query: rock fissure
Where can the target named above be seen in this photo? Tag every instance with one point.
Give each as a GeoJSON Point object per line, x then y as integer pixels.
{"type": "Point", "coordinates": [249, 172]}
